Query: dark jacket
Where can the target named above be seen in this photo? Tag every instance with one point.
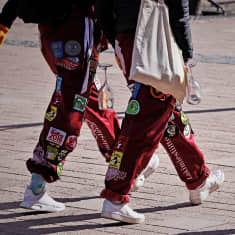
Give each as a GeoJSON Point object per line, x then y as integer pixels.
{"type": "Point", "coordinates": [118, 16]}
{"type": "Point", "coordinates": [8, 14]}
{"type": "Point", "coordinates": [40, 11]}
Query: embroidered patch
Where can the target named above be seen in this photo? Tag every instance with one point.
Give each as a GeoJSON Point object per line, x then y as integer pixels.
{"type": "Point", "coordinates": [183, 118]}
{"type": "Point", "coordinates": [71, 142]}
{"type": "Point", "coordinates": [51, 153]}
{"type": "Point", "coordinates": [59, 169]}
{"type": "Point", "coordinates": [116, 159]}
{"type": "Point", "coordinates": [115, 174]}
{"type": "Point", "coordinates": [187, 131]}
{"type": "Point", "coordinates": [72, 48]}
{"type": "Point", "coordinates": [135, 89]}
{"type": "Point", "coordinates": [133, 107]}
{"type": "Point", "coordinates": [56, 136]}
{"type": "Point", "coordinates": [156, 94]}
{"type": "Point", "coordinates": [58, 84]}
{"type": "Point", "coordinates": [50, 115]}
{"type": "Point", "coordinates": [67, 64]}
{"type": "Point", "coordinates": [62, 155]}
{"type": "Point", "coordinates": [121, 143]}
{"type": "Point", "coordinates": [171, 131]}
{"type": "Point", "coordinates": [57, 99]}
{"type": "Point", "coordinates": [79, 103]}
{"type": "Point", "coordinates": [57, 49]}
{"type": "Point", "coordinates": [74, 59]}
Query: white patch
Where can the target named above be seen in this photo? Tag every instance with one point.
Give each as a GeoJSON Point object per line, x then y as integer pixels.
{"type": "Point", "coordinates": [56, 136]}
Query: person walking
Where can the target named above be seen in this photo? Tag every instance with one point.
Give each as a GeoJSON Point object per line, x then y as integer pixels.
{"type": "Point", "coordinates": [72, 56]}
{"type": "Point", "coordinates": [151, 117]}
{"type": "Point", "coordinates": [68, 53]}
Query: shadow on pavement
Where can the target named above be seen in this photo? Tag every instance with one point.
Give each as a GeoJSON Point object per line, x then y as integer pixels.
{"type": "Point", "coordinates": [119, 114]}
{"type": "Point", "coordinates": [212, 232]}
{"type": "Point", "coordinates": [27, 226]}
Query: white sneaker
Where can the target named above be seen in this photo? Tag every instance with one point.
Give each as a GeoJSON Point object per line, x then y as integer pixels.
{"type": "Point", "coordinates": [150, 168]}
{"type": "Point", "coordinates": [40, 202]}
{"type": "Point", "coordinates": [212, 183]}
{"type": "Point", "coordinates": [121, 212]}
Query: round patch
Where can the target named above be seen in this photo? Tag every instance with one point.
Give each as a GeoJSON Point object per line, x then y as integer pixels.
{"type": "Point", "coordinates": [72, 48]}
{"type": "Point", "coordinates": [59, 169]}
{"type": "Point", "coordinates": [133, 107]}
{"type": "Point", "coordinates": [183, 118]}
{"type": "Point", "coordinates": [156, 93]}
{"type": "Point", "coordinates": [171, 131]}
{"type": "Point", "coordinates": [187, 131]}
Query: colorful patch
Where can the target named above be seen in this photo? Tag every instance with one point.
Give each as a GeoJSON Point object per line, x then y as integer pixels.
{"type": "Point", "coordinates": [121, 143]}
{"type": "Point", "coordinates": [58, 84]}
{"type": "Point", "coordinates": [57, 99]}
{"type": "Point", "coordinates": [51, 153]}
{"type": "Point", "coordinates": [56, 136]}
{"type": "Point", "coordinates": [187, 131]}
{"type": "Point", "coordinates": [115, 174]}
{"type": "Point", "coordinates": [51, 114]}
{"type": "Point", "coordinates": [171, 131]}
{"type": "Point", "coordinates": [79, 103]}
{"type": "Point", "coordinates": [72, 48]}
{"type": "Point", "coordinates": [71, 142]}
{"type": "Point", "coordinates": [157, 94]}
{"type": "Point", "coordinates": [59, 169]}
{"type": "Point", "coordinates": [74, 59]}
{"type": "Point", "coordinates": [116, 159]}
{"type": "Point", "coordinates": [57, 49]}
{"type": "Point", "coordinates": [67, 64]}
{"type": "Point", "coordinates": [133, 107]}
{"type": "Point", "coordinates": [135, 89]}
{"type": "Point", "coordinates": [62, 155]}
{"type": "Point", "coordinates": [183, 118]}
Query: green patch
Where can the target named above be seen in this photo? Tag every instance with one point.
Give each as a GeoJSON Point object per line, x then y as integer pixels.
{"type": "Point", "coordinates": [183, 118]}
{"type": "Point", "coordinates": [79, 103]}
{"type": "Point", "coordinates": [133, 107]}
{"type": "Point", "coordinates": [59, 169]}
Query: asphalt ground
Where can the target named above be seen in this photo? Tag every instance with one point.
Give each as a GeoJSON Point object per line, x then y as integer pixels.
{"type": "Point", "coordinates": [26, 85]}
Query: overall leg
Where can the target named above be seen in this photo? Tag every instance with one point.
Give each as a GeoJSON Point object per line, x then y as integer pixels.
{"type": "Point", "coordinates": [142, 128]}
{"type": "Point", "coordinates": [188, 160]}
{"type": "Point", "coordinates": [103, 124]}
{"type": "Point", "coordinates": [67, 53]}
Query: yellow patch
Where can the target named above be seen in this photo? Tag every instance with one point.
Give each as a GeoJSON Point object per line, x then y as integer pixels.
{"type": "Point", "coordinates": [51, 114]}
{"type": "Point", "coordinates": [116, 159]}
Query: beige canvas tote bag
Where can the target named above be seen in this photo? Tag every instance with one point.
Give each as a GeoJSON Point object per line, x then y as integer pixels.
{"type": "Point", "coordinates": [156, 60]}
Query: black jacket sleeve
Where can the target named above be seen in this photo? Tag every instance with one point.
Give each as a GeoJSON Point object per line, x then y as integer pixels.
{"type": "Point", "coordinates": [105, 18]}
{"type": "Point", "coordinates": [179, 21]}
{"type": "Point", "coordinates": [8, 14]}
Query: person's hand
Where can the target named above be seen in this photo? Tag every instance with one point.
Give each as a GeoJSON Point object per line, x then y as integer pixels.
{"type": "Point", "coordinates": [3, 32]}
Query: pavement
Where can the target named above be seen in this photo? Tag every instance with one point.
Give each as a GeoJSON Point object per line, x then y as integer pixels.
{"type": "Point", "coordinates": [26, 84]}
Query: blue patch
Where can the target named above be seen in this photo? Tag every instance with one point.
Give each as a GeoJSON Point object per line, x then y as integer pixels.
{"type": "Point", "coordinates": [57, 49]}
{"type": "Point", "coordinates": [58, 84]}
{"type": "Point", "coordinates": [74, 59]}
{"type": "Point", "coordinates": [135, 89]}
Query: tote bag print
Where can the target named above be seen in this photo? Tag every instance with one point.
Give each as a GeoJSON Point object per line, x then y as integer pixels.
{"type": "Point", "coordinates": [156, 60]}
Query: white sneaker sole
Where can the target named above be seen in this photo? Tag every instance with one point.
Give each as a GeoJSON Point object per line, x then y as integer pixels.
{"type": "Point", "coordinates": [40, 207]}
{"type": "Point", "coordinates": [122, 218]}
